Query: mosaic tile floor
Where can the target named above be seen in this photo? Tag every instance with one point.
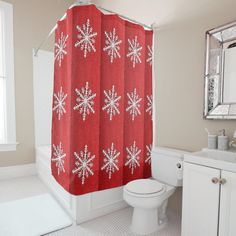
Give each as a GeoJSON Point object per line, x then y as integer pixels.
{"type": "Point", "coordinates": [117, 224]}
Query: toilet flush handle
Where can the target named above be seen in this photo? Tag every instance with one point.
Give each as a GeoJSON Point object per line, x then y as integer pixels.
{"type": "Point", "coordinates": [179, 165]}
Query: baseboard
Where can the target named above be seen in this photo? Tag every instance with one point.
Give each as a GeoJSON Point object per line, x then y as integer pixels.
{"type": "Point", "coordinates": [11, 172]}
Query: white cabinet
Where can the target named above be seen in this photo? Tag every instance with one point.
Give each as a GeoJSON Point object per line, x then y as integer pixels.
{"type": "Point", "coordinates": [209, 201]}
{"type": "Point", "coordinates": [200, 201]}
{"type": "Point", "coordinates": [227, 216]}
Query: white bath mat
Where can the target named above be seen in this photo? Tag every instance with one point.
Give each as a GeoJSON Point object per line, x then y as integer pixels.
{"type": "Point", "coordinates": [32, 216]}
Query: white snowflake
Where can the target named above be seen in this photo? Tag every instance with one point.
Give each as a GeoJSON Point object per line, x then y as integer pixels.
{"type": "Point", "coordinates": [59, 103]}
{"type": "Point", "coordinates": [134, 51]}
{"type": "Point", "coordinates": [111, 102]}
{"type": "Point", "coordinates": [110, 160]}
{"type": "Point", "coordinates": [84, 164]}
{"type": "Point", "coordinates": [58, 156]}
{"type": "Point", "coordinates": [112, 45]}
{"type": "Point", "coordinates": [133, 104]}
{"type": "Point", "coordinates": [150, 55]}
{"type": "Point", "coordinates": [86, 38]}
{"type": "Point", "coordinates": [85, 101]}
{"type": "Point", "coordinates": [133, 157]}
{"type": "Point", "coordinates": [148, 154]}
{"type": "Point", "coordinates": [149, 105]}
{"type": "Point", "coordinates": [60, 48]}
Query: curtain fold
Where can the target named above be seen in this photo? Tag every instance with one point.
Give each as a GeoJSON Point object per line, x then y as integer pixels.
{"type": "Point", "coordinates": [102, 101]}
{"type": "Point", "coordinates": [112, 104]}
{"type": "Point", "coordinates": [134, 102]}
{"type": "Point", "coordinates": [148, 104]}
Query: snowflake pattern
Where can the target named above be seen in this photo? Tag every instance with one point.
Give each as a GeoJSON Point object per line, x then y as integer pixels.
{"type": "Point", "coordinates": [60, 48]}
{"type": "Point", "coordinates": [133, 157]}
{"type": "Point", "coordinates": [112, 45]}
{"type": "Point", "coordinates": [84, 164]}
{"type": "Point", "coordinates": [59, 103]}
{"type": "Point", "coordinates": [111, 102]}
{"type": "Point", "coordinates": [58, 157]}
{"type": "Point", "coordinates": [133, 104]}
{"type": "Point", "coordinates": [85, 101]}
{"type": "Point", "coordinates": [149, 105]}
{"type": "Point", "coordinates": [110, 160]}
{"type": "Point", "coordinates": [86, 38]}
{"type": "Point", "coordinates": [134, 51]}
{"type": "Point", "coordinates": [150, 55]}
{"type": "Point", "coordinates": [148, 154]}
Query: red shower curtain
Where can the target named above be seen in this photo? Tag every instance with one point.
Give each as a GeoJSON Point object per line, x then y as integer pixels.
{"type": "Point", "coordinates": [102, 101]}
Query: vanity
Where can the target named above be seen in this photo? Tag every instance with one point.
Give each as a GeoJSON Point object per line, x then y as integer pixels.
{"type": "Point", "coordinates": [209, 176]}
{"type": "Point", "coordinates": [209, 193]}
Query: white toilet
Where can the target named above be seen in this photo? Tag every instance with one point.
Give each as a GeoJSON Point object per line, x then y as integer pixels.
{"type": "Point", "coordinates": [149, 197]}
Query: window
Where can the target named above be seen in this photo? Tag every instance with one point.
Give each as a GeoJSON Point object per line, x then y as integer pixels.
{"type": "Point", "coordinates": [7, 91]}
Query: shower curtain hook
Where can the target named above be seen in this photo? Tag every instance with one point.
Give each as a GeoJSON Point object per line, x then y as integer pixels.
{"type": "Point", "coordinates": [154, 25]}
{"type": "Point", "coordinates": [83, 2]}
{"type": "Point", "coordinates": [87, 2]}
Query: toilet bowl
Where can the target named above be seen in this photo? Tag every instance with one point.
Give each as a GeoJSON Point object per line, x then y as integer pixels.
{"type": "Point", "coordinates": [149, 200]}
{"type": "Point", "coordinates": [149, 197]}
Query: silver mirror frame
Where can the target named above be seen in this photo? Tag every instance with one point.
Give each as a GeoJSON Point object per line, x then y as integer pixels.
{"type": "Point", "coordinates": [214, 108]}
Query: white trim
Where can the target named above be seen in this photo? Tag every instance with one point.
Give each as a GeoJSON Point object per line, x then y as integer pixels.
{"type": "Point", "coordinates": [7, 9]}
{"type": "Point", "coordinates": [5, 147]}
{"type": "Point", "coordinates": [11, 172]}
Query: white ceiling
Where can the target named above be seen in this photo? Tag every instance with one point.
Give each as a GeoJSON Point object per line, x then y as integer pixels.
{"type": "Point", "coordinates": [165, 12]}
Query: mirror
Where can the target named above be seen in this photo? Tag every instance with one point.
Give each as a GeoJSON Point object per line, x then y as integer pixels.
{"type": "Point", "coordinates": [229, 92]}
{"type": "Point", "coordinates": [220, 73]}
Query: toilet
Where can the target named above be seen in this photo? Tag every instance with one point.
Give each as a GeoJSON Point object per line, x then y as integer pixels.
{"type": "Point", "coordinates": [149, 197]}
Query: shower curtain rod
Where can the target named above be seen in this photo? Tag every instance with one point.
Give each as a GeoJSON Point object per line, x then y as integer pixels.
{"type": "Point", "coordinates": [100, 8]}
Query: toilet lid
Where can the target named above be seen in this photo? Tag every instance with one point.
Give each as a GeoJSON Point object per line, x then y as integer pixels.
{"type": "Point", "coordinates": [144, 186]}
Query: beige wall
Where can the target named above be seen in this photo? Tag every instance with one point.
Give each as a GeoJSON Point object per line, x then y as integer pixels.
{"type": "Point", "coordinates": [179, 67]}
{"type": "Point", "coordinates": [32, 22]}
{"type": "Point", "coordinates": [180, 87]}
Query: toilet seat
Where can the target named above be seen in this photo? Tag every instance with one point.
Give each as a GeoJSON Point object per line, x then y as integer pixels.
{"type": "Point", "coordinates": [145, 188]}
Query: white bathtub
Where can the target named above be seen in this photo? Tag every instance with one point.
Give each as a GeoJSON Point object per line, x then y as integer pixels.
{"type": "Point", "coordinates": [84, 207]}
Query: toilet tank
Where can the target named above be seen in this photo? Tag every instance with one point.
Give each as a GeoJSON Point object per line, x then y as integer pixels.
{"type": "Point", "coordinates": [167, 165]}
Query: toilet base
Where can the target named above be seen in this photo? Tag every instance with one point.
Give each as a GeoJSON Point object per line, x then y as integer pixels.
{"type": "Point", "coordinates": [145, 221]}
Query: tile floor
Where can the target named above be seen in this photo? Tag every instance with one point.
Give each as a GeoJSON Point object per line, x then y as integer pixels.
{"type": "Point", "coordinates": [115, 224]}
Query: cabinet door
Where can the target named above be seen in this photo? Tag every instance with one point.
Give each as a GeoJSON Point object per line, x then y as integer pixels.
{"type": "Point", "coordinates": [200, 201]}
{"type": "Point", "coordinates": [227, 225]}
